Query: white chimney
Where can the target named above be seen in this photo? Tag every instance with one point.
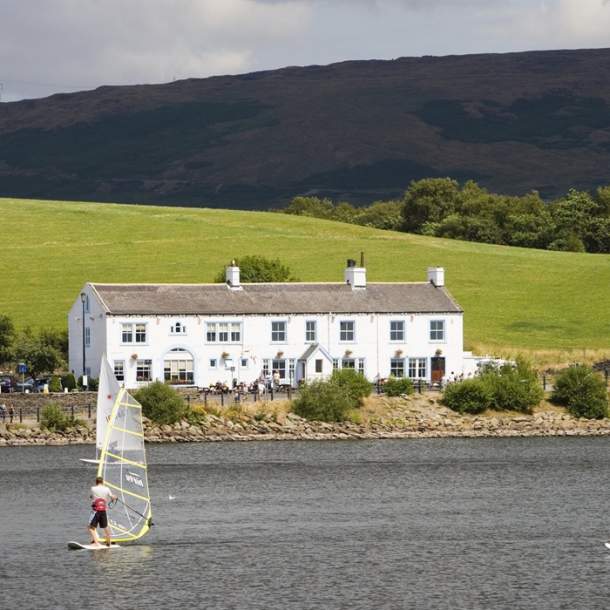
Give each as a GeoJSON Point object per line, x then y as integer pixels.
{"type": "Point", "coordinates": [232, 276]}
{"type": "Point", "coordinates": [436, 276]}
{"type": "Point", "coordinates": [355, 276]}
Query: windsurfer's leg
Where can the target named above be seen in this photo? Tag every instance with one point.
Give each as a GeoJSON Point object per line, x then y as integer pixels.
{"type": "Point", "coordinates": [93, 534]}
{"type": "Point", "coordinates": [107, 532]}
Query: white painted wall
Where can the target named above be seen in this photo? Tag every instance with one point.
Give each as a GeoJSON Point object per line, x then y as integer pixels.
{"type": "Point", "coordinates": [95, 319]}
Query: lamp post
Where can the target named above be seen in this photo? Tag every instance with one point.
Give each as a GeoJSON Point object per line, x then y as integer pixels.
{"type": "Point", "coordinates": [83, 298]}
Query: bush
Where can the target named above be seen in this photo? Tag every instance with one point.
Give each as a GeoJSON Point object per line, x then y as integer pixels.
{"type": "Point", "coordinates": [397, 386]}
{"type": "Point", "coordinates": [323, 401]}
{"type": "Point", "coordinates": [582, 391]}
{"type": "Point", "coordinates": [69, 381]}
{"type": "Point", "coordinates": [52, 417]}
{"type": "Point", "coordinates": [161, 403]}
{"type": "Point", "coordinates": [468, 396]}
{"type": "Point", "coordinates": [355, 385]}
{"type": "Point", "coordinates": [513, 387]}
{"type": "Point", "coordinates": [55, 384]}
{"type": "Point", "coordinates": [260, 269]}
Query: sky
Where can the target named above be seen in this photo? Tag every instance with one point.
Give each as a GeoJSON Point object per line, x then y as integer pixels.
{"type": "Point", "coordinates": [52, 46]}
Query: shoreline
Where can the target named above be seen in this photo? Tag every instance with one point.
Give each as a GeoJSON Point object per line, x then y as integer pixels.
{"type": "Point", "coordinates": [401, 418]}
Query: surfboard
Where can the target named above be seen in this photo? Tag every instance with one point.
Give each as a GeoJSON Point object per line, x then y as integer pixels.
{"type": "Point", "coordinates": [77, 546]}
{"type": "Point", "coordinates": [607, 545]}
{"type": "Point", "coordinates": [88, 461]}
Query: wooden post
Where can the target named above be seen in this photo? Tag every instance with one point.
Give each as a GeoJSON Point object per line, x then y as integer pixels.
{"type": "Point", "coordinates": [289, 392]}
{"type": "Point", "coordinates": [20, 415]}
{"type": "Point", "coordinates": [89, 411]}
{"type": "Point", "coordinates": [271, 392]}
{"type": "Point", "coordinates": [205, 398]}
{"type": "Point", "coordinates": [38, 414]}
{"type": "Point", "coordinates": [72, 412]}
{"type": "Point", "coordinates": [544, 382]}
{"type": "Point", "coordinates": [222, 399]}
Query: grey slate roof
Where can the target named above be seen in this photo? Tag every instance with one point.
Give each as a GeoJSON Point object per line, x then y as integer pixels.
{"type": "Point", "coordinates": [297, 298]}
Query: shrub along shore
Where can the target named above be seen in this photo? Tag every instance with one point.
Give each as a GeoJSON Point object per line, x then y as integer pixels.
{"type": "Point", "coordinates": [415, 416]}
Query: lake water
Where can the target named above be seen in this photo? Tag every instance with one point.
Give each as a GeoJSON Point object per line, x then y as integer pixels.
{"type": "Point", "coordinates": [435, 523]}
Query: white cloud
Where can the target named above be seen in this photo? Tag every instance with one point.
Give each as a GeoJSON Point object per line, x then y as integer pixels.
{"type": "Point", "coordinates": [56, 45]}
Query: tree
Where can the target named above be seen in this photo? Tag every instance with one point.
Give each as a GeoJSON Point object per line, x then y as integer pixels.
{"type": "Point", "coordinates": [310, 206]}
{"type": "Point", "coordinates": [35, 351]}
{"type": "Point", "coordinates": [7, 336]}
{"type": "Point", "coordinates": [429, 200]}
{"type": "Point", "coordinates": [260, 269]}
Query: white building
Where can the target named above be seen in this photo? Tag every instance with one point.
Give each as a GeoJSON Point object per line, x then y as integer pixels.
{"type": "Point", "coordinates": [199, 334]}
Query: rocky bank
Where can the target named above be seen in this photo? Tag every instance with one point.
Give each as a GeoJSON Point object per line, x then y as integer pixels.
{"type": "Point", "coordinates": [381, 418]}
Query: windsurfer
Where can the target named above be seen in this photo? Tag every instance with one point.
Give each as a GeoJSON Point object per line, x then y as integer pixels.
{"type": "Point", "coordinates": [100, 497]}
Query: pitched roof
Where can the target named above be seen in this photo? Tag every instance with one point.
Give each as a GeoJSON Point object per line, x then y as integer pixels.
{"type": "Point", "coordinates": [297, 298]}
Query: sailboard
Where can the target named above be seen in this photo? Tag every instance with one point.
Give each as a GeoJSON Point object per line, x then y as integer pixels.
{"type": "Point", "coordinates": [122, 463]}
{"type": "Point", "coordinates": [108, 390]}
{"type": "Point", "coordinates": [77, 546]}
{"type": "Point", "coordinates": [607, 545]}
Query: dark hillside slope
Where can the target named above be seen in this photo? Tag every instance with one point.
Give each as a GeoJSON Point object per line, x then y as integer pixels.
{"type": "Point", "coordinates": [357, 130]}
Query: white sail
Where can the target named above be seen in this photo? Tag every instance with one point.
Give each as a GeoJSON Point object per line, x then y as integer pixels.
{"type": "Point", "coordinates": [123, 468]}
{"type": "Point", "coordinates": [108, 390]}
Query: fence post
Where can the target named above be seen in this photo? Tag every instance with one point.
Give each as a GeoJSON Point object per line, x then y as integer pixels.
{"type": "Point", "coordinates": [419, 386]}
{"type": "Point", "coordinates": [89, 411]}
{"type": "Point", "coordinates": [255, 394]}
{"type": "Point", "coordinates": [38, 414]}
{"type": "Point", "coordinates": [188, 400]}
{"type": "Point", "coordinates": [272, 392]}
{"type": "Point", "coordinates": [222, 399]}
{"type": "Point", "coordinates": [20, 415]}
{"type": "Point", "coordinates": [72, 412]}
{"type": "Point", "coordinates": [289, 392]}
{"type": "Point", "coordinates": [205, 398]}
{"type": "Point", "coordinates": [544, 382]}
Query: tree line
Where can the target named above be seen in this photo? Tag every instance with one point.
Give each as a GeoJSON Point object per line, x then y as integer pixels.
{"type": "Point", "coordinates": [442, 207]}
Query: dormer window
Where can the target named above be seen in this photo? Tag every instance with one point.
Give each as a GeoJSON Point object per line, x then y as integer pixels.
{"type": "Point", "coordinates": [178, 328]}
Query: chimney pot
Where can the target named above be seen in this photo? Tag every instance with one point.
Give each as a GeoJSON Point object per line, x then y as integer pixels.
{"type": "Point", "coordinates": [436, 276]}
{"type": "Point", "coordinates": [232, 276]}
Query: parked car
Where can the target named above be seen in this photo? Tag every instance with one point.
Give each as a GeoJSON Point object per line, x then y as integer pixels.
{"type": "Point", "coordinates": [26, 385]}
{"type": "Point", "coordinates": [7, 384]}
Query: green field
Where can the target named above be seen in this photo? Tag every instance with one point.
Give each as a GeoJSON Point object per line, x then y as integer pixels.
{"type": "Point", "coordinates": [512, 297]}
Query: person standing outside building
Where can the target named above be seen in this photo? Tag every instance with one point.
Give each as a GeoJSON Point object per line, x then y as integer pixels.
{"type": "Point", "coordinates": [100, 497]}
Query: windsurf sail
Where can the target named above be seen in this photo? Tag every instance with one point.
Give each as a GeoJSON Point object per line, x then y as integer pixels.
{"type": "Point", "coordinates": [123, 468]}
{"type": "Point", "coordinates": [107, 392]}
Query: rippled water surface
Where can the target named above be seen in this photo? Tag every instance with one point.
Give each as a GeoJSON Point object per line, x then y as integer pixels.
{"type": "Point", "coordinates": [438, 523]}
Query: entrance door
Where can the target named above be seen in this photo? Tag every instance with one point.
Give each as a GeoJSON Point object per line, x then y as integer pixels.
{"type": "Point", "coordinates": [437, 366]}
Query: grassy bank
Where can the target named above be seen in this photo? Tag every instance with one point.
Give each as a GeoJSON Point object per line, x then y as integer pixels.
{"type": "Point", "coordinates": [514, 298]}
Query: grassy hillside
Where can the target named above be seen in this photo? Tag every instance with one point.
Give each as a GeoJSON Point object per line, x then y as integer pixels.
{"type": "Point", "coordinates": [512, 297]}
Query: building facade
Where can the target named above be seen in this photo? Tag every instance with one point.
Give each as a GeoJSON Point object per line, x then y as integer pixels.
{"type": "Point", "coordinates": [201, 334]}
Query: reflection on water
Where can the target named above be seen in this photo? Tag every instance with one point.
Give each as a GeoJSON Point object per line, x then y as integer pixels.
{"type": "Point", "coordinates": [440, 523]}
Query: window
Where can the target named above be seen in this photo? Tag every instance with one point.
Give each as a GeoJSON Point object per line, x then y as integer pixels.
{"type": "Point", "coordinates": [87, 336]}
{"type": "Point", "coordinates": [397, 330]}
{"type": "Point", "coordinates": [144, 370]}
{"type": "Point", "coordinates": [417, 368]}
{"type": "Point", "coordinates": [87, 310]}
{"type": "Point", "coordinates": [310, 331]}
{"type": "Point", "coordinates": [119, 370]}
{"type": "Point", "coordinates": [319, 365]}
{"type": "Point", "coordinates": [140, 333]}
{"type": "Point", "coordinates": [348, 363]}
{"type": "Point", "coordinates": [437, 330]}
{"type": "Point", "coordinates": [279, 366]}
{"type": "Point", "coordinates": [335, 364]}
{"type": "Point", "coordinates": [178, 372]}
{"type": "Point", "coordinates": [361, 366]}
{"type": "Point", "coordinates": [127, 333]}
{"type": "Point", "coordinates": [291, 366]}
{"type": "Point", "coordinates": [213, 363]}
{"type": "Point", "coordinates": [278, 332]}
{"type": "Point", "coordinates": [244, 363]}
{"type": "Point", "coordinates": [346, 330]}
{"type": "Point", "coordinates": [397, 367]}
{"type": "Point", "coordinates": [178, 329]}
{"type": "Point", "coordinates": [223, 332]}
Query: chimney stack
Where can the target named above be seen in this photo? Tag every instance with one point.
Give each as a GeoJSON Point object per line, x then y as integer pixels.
{"type": "Point", "coordinates": [355, 276]}
{"type": "Point", "coordinates": [436, 276]}
{"type": "Point", "coordinates": [232, 276]}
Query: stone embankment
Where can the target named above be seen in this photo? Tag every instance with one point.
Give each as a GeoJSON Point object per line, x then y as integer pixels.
{"type": "Point", "coordinates": [380, 419]}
